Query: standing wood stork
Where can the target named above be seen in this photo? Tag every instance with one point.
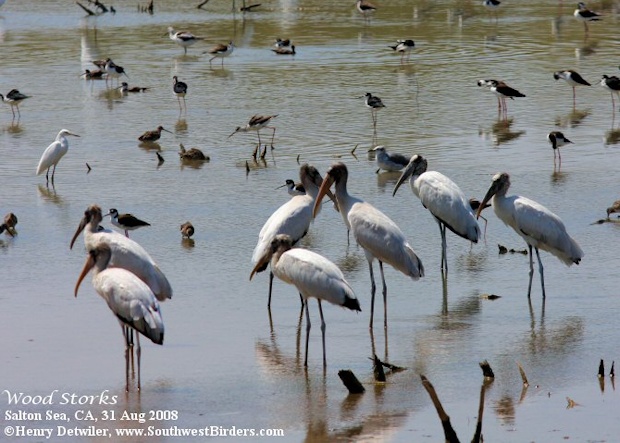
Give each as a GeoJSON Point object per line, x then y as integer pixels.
{"type": "Point", "coordinates": [129, 298]}
{"type": "Point", "coordinates": [182, 38]}
{"type": "Point", "coordinates": [312, 274]}
{"type": "Point", "coordinates": [557, 139]}
{"type": "Point", "coordinates": [292, 218]}
{"type": "Point", "coordinates": [539, 227]}
{"type": "Point", "coordinates": [445, 201]}
{"type": "Point", "coordinates": [53, 153]}
{"type": "Point", "coordinates": [125, 253]}
{"type": "Point", "coordinates": [374, 231]}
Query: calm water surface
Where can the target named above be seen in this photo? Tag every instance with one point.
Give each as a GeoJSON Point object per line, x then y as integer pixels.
{"type": "Point", "coordinates": [223, 362]}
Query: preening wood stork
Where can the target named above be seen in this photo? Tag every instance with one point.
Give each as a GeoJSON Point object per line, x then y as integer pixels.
{"type": "Point", "coordinates": [374, 231]}
{"type": "Point", "coordinates": [129, 298]}
{"type": "Point", "coordinates": [445, 201]}
{"type": "Point", "coordinates": [125, 253]}
{"type": "Point", "coordinates": [539, 227]}
{"type": "Point", "coordinates": [53, 153]}
{"type": "Point", "coordinates": [292, 218]}
{"type": "Point", "coordinates": [312, 274]}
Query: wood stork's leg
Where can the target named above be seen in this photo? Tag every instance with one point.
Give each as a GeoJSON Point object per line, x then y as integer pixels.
{"type": "Point", "coordinates": [322, 332]}
{"type": "Point", "coordinates": [307, 332]}
{"type": "Point", "coordinates": [384, 296]}
{"type": "Point", "coordinates": [541, 271]}
{"type": "Point", "coordinates": [529, 286]}
{"type": "Point", "coordinates": [270, 288]}
{"type": "Point", "coordinates": [139, 356]}
{"type": "Point", "coordinates": [373, 288]}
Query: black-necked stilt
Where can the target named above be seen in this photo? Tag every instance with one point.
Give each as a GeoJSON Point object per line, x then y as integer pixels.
{"type": "Point", "coordinates": [182, 38]}
{"type": "Point", "coordinates": [557, 139]}
{"type": "Point", "coordinates": [124, 88]}
{"type": "Point", "coordinates": [404, 47]}
{"type": "Point", "coordinates": [280, 43]}
{"type": "Point", "coordinates": [152, 136]}
{"type": "Point", "coordinates": [53, 153]}
{"type": "Point", "coordinates": [13, 99]}
{"type": "Point", "coordinates": [389, 161]}
{"type": "Point", "coordinates": [180, 90]}
{"type": "Point", "coordinates": [365, 8]}
{"type": "Point", "coordinates": [502, 91]}
{"type": "Point", "coordinates": [102, 63]}
{"type": "Point", "coordinates": [126, 222]}
{"type": "Point", "coordinates": [612, 84]}
{"type": "Point", "coordinates": [96, 74]}
{"type": "Point", "coordinates": [285, 51]}
{"type": "Point", "coordinates": [192, 154]}
{"type": "Point", "coordinates": [374, 103]}
{"type": "Point", "coordinates": [221, 51]}
{"type": "Point", "coordinates": [10, 220]}
{"type": "Point", "coordinates": [256, 123]}
{"type": "Point", "coordinates": [492, 5]}
{"type": "Point", "coordinates": [572, 78]}
{"type": "Point", "coordinates": [293, 188]}
{"type": "Point", "coordinates": [114, 71]}
{"type": "Point", "coordinates": [187, 230]}
{"type": "Point", "coordinates": [614, 208]}
{"type": "Point", "coordinates": [585, 15]}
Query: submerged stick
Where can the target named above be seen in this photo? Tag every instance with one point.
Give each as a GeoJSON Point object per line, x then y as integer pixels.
{"type": "Point", "coordinates": [478, 434]}
{"type": "Point", "coordinates": [487, 372]}
{"type": "Point", "coordinates": [351, 382]}
{"type": "Point", "coordinates": [448, 430]}
{"type": "Point", "coordinates": [601, 369]}
{"type": "Point", "coordinates": [378, 369]}
{"type": "Point", "coordinates": [523, 377]}
{"type": "Point", "coordinates": [612, 372]}
{"type": "Point", "coordinates": [202, 4]}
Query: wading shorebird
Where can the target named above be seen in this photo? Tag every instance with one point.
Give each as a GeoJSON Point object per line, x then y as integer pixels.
{"type": "Point", "coordinates": [13, 99]}
{"type": "Point", "coordinates": [389, 161]}
{"type": "Point", "coordinates": [293, 188]}
{"type": "Point", "coordinates": [124, 88]}
{"type": "Point", "coordinates": [221, 51]}
{"type": "Point", "coordinates": [180, 90]}
{"type": "Point", "coordinates": [53, 153]}
{"type": "Point", "coordinates": [152, 136]}
{"type": "Point", "coordinates": [285, 51]}
{"type": "Point", "coordinates": [256, 123]}
{"type": "Point", "coordinates": [187, 230]}
{"type": "Point", "coordinates": [404, 47]}
{"type": "Point", "coordinates": [182, 38]}
{"type": "Point", "coordinates": [374, 103]}
{"type": "Point", "coordinates": [126, 222]}
{"type": "Point", "coordinates": [365, 8]}
{"type": "Point", "coordinates": [557, 139]}
{"type": "Point", "coordinates": [572, 78]}
{"type": "Point", "coordinates": [585, 15]}
{"type": "Point", "coordinates": [10, 220]}
{"type": "Point", "coordinates": [191, 154]}
{"type": "Point", "coordinates": [612, 84]}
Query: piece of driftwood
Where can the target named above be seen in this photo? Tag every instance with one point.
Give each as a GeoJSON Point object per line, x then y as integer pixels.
{"type": "Point", "coordinates": [487, 372]}
{"type": "Point", "coordinates": [478, 434]}
{"type": "Point", "coordinates": [601, 369]}
{"type": "Point", "coordinates": [523, 377]}
{"type": "Point", "coordinates": [377, 369]}
{"type": "Point", "coordinates": [448, 430]}
{"type": "Point", "coordinates": [351, 382]}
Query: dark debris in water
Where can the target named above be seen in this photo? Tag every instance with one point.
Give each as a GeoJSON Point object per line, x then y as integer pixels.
{"type": "Point", "coordinates": [503, 250]}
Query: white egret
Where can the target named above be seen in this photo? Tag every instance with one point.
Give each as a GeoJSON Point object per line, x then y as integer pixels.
{"type": "Point", "coordinates": [312, 274]}
{"type": "Point", "coordinates": [53, 153]}
{"type": "Point", "coordinates": [292, 218]}
{"type": "Point", "coordinates": [445, 201]}
{"type": "Point", "coordinates": [126, 253]}
{"type": "Point", "coordinates": [539, 227]}
{"type": "Point", "coordinates": [129, 298]}
{"type": "Point", "coordinates": [375, 232]}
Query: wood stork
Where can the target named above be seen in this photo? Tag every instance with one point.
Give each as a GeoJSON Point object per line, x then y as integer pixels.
{"type": "Point", "coordinates": [125, 253]}
{"type": "Point", "coordinates": [53, 153]}
{"type": "Point", "coordinates": [182, 38]}
{"type": "Point", "coordinates": [557, 140]}
{"type": "Point", "coordinates": [374, 231]}
{"type": "Point", "coordinates": [129, 298]}
{"type": "Point", "coordinates": [539, 227]}
{"type": "Point", "coordinates": [445, 201]}
{"type": "Point", "coordinates": [312, 274]}
{"type": "Point", "coordinates": [292, 218]}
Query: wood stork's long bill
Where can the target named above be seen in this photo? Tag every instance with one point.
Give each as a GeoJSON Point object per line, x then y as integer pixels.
{"type": "Point", "coordinates": [417, 165]}
{"type": "Point", "coordinates": [91, 261]}
{"type": "Point", "coordinates": [92, 214]}
{"type": "Point", "coordinates": [537, 225]}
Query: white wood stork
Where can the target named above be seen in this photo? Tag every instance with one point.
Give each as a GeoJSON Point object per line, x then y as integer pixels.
{"type": "Point", "coordinates": [374, 231]}
{"type": "Point", "coordinates": [128, 297]}
{"type": "Point", "coordinates": [539, 227]}
{"type": "Point", "coordinates": [445, 201]}
{"type": "Point", "coordinates": [312, 274]}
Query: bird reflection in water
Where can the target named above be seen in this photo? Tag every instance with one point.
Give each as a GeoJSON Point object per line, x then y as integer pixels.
{"type": "Point", "coordinates": [501, 133]}
{"type": "Point", "coordinates": [572, 119]}
{"type": "Point", "coordinates": [49, 194]}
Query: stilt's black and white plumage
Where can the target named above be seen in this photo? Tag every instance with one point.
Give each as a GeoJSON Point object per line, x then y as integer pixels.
{"type": "Point", "coordinates": [572, 78]}
{"type": "Point", "coordinates": [126, 222]}
{"type": "Point", "coordinates": [557, 139]}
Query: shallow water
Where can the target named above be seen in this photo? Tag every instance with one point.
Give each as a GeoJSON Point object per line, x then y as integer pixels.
{"type": "Point", "coordinates": [223, 363]}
